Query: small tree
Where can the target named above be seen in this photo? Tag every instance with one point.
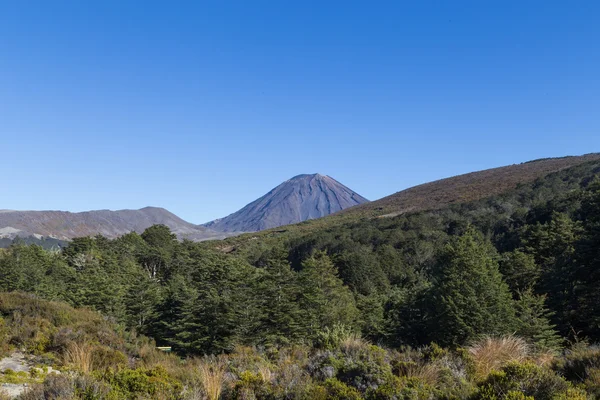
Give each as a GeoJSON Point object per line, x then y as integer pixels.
{"type": "Point", "coordinates": [534, 321]}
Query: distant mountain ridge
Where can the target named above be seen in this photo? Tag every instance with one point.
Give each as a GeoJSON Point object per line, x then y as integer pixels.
{"type": "Point", "coordinates": [66, 225]}
{"type": "Point", "coordinates": [298, 199]}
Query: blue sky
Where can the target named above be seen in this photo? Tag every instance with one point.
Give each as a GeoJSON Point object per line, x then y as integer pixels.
{"type": "Point", "coordinates": [202, 106]}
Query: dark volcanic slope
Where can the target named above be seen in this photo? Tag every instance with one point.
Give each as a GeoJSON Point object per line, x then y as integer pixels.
{"type": "Point", "coordinates": [66, 225]}
{"type": "Point", "coordinates": [298, 199]}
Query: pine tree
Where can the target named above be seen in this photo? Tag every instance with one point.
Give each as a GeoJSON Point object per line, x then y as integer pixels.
{"type": "Point", "coordinates": [469, 296]}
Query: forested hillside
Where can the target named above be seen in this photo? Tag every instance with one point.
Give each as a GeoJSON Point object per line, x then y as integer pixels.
{"type": "Point", "coordinates": [523, 262]}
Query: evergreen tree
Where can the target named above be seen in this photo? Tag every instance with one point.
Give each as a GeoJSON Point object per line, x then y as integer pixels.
{"type": "Point", "coordinates": [534, 321]}
{"type": "Point", "coordinates": [141, 302]}
{"type": "Point", "coordinates": [283, 321]}
{"type": "Point", "coordinates": [156, 258]}
{"type": "Point", "coordinates": [469, 296]}
{"type": "Point", "coordinates": [175, 322]}
{"type": "Point", "coordinates": [324, 296]}
{"type": "Point", "coordinates": [553, 246]}
{"type": "Point", "coordinates": [587, 317]}
{"type": "Point", "coordinates": [519, 270]}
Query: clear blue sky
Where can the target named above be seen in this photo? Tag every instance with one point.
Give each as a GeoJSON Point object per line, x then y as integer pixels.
{"type": "Point", "coordinates": [202, 106]}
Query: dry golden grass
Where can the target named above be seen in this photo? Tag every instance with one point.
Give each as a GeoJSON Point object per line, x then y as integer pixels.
{"type": "Point", "coordinates": [353, 344]}
{"type": "Point", "coordinates": [80, 356]}
{"type": "Point", "coordinates": [212, 375]}
{"type": "Point", "coordinates": [428, 373]}
{"type": "Point", "coordinates": [545, 358]}
{"type": "Point", "coordinates": [492, 353]}
{"type": "Point", "coordinates": [265, 373]}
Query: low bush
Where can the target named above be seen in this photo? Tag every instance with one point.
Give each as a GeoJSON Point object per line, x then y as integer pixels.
{"type": "Point", "coordinates": [526, 378]}
{"type": "Point", "coordinates": [139, 383]}
{"type": "Point", "coordinates": [581, 364]}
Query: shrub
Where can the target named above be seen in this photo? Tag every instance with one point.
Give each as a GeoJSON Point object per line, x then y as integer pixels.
{"type": "Point", "coordinates": [363, 367]}
{"type": "Point", "coordinates": [249, 386]}
{"type": "Point", "coordinates": [526, 378]}
{"type": "Point", "coordinates": [337, 390]}
{"type": "Point", "coordinates": [104, 357]}
{"type": "Point", "coordinates": [581, 364]}
{"type": "Point", "coordinates": [55, 387]}
{"type": "Point", "coordinates": [332, 338]}
{"type": "Point", "coordinates": [89, 388]}
{"type": "Point", "coordinates": [402, 388]}
{"type": "Point", "coordinates": [135, 383]}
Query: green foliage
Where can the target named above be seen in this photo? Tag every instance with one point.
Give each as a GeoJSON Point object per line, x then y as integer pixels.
{"type": "Point", "coordinates": [519, 270]}
{"type": "Point", "coordinates": [521, 260]}
{"type": "Point", "coordinates": [527, 379]}
{"type": "Point", "coordinates": [534, 322]}
{"type": "Point", "coordinates": [325, 297]}
{"type": "Point", "coordinates": [133, 383]}
{"type": "Point", "coordinates": [581, 364]}
{"type": "Point", "coordinates": [337, 390]}
{"type": "Point", "coordinates": [332, 338]}
{"type": "Point", "coordinates": [469, 297]}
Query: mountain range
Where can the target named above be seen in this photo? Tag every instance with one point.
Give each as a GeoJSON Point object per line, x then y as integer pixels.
{"type": "Point", "coordinates": [301, 198]}
{"type": "Point", "coordinates": [66, 225]}
{"type": "Point", "coordinates": [297, 199]}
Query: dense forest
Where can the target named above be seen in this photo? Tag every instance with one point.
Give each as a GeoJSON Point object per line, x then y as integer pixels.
{"type": "Point", "coordinates": [353, 304]}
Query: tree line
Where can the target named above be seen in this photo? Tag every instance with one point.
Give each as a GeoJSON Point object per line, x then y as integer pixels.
{"type": "Point", "coordinates": [526, 262]}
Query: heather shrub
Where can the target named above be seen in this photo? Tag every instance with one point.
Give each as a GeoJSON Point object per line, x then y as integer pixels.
{"type": "Point", "coordinates": [104, 357]}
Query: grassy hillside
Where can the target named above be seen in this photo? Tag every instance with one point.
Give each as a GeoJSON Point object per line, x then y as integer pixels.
{"type": "Point", "coordinates": [467, 187]}
{"type": "Point", "coordinates": [429, 196]}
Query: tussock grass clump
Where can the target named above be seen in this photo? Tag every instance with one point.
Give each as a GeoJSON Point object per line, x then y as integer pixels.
{"type": "Point", "coordinates": [212, 373]}
{"type": "Point", "coordinates": [79, 356]}
{"type": "Point", "coordinates": [492, 353]}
